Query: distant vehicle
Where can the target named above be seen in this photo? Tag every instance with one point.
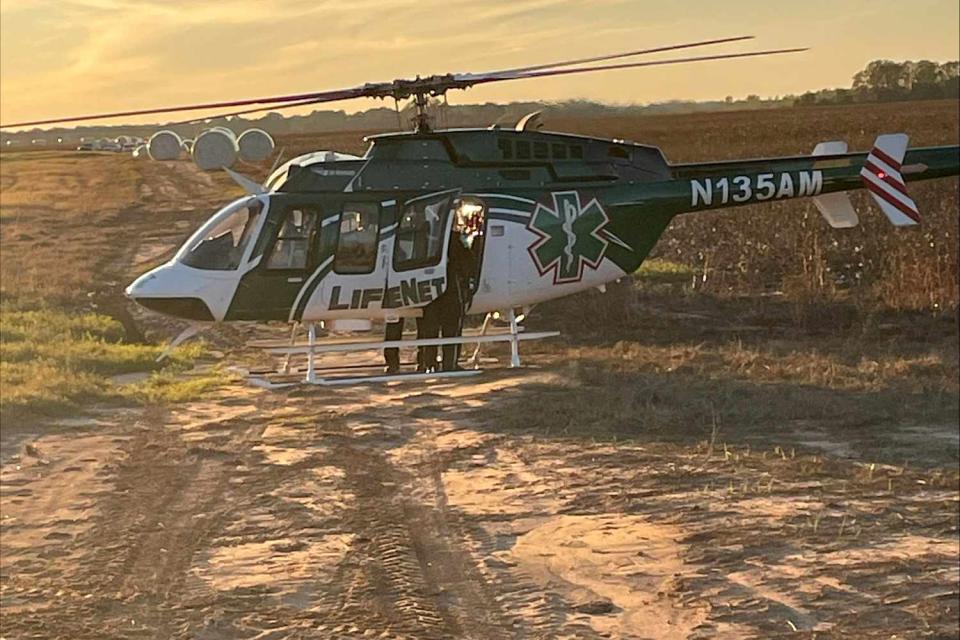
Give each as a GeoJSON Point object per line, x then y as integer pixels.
{"type": "Point", "coordinates": [110, 145]}
{"type": "Point", "coordinates": [38, 141]}
{"type": "Point", "coordinates": [86, 145]}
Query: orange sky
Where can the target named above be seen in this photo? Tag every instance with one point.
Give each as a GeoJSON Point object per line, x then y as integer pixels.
{"type": "Point", "coordinates": [61, 57]}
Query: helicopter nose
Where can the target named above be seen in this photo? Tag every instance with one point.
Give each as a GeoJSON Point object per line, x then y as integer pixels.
{"type": "Point", "coordinates": [140, 286]}
{"type": "Point", "coordinates": [161, 291]}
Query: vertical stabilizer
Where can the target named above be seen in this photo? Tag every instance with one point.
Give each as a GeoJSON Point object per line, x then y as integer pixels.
{"type": "Point", "coordinates": [881, 174]}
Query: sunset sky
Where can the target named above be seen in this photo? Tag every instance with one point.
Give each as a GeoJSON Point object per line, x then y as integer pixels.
{"type": "Point", "coordinates": [61, 57]}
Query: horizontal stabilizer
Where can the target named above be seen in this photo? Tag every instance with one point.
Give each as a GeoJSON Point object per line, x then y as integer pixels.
{"type": "Point", "coordinates": [882, 176]}
{"type": "Point", "coordinates": [836, 208]}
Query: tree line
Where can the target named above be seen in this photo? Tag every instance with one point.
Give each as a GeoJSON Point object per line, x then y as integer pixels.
{"type": "Point", "coordinates": [890, 81]}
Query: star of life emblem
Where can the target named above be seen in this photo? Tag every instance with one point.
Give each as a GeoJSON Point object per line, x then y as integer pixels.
{"type": "Point", "coordinates": [570, 236]}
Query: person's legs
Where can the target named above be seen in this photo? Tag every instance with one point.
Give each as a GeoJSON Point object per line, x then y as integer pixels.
{"type": "Point", "coordinates": [391, 355]}
{"type": "Point", "coordinates": [452, 326]}
{"type": "Point", "coordinates": [428, 326]}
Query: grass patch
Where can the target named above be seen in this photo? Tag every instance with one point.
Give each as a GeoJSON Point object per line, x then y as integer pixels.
{"type": "Point", "coordinates": [165, 387]}
{"type": "Point", "coordinates": [53, 361]}
{"type": "Point", "coordinates": [659, 271]}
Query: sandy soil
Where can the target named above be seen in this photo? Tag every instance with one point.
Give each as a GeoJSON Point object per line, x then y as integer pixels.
{"type": "Point", "coordinates": [409, 511]}
{"type": "Point", "coordinates": [401, 512]}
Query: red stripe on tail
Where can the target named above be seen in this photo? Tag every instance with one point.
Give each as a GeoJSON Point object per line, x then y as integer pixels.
{"type": "Point", "coordinates": [886, 177]}
{"type": "Point", "coordinates": [901, 207]}
{"type": "Point", "coordinates": [883, 156]}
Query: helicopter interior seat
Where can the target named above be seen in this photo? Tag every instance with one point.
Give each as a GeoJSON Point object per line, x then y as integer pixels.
{"type": "Point", "coordinates": [357, 242]}
{"type": "Point", "coordinates": [291, 250]}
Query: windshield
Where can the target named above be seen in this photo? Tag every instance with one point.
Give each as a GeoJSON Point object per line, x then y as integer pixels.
{"type": "Point", "coordinates": [220, 243]}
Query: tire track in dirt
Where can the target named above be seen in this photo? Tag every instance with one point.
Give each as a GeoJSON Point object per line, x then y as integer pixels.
{"type": "Point", "coordinates": [406, 573]}
{"type": "Point", "coordinates": [441, 564]}
{"type": "Point", "coordinates": [384, 513]}
{"type": "Point", "coordinates": [125, 576]}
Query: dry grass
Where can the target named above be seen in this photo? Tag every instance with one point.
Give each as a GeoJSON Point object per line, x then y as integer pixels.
{"type": "Point", "coordinates": [71, 227]}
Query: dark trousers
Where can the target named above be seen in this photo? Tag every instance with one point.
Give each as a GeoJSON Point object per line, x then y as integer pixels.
{"type": "Point", "coordinates": [451, 326]}
{"type": "Point", "coordinates": [428, 326]}
{"type": "Point", "coordinates": [393, 331]}
{"type": "Point", "coordinates": [443, 316]}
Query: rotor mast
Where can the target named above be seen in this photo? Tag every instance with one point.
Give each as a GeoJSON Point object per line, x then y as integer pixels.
{"type": "Point", "coordinates": [421, 90]}
{"type": "Point", "coordinates": [421, 121]}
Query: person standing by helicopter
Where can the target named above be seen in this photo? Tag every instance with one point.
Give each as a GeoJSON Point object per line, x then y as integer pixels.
{"type": "Point", "coordinates": [393, 331]}
{"type": "Point", "coordinates": [444, 316]}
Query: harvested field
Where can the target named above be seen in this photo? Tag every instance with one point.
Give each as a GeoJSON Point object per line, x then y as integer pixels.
{"type": "Point", "coordinates": [691, 460]}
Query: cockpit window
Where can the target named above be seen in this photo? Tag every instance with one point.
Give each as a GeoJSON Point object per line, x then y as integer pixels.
{"type": "Point", "coordinates": [220, 244]}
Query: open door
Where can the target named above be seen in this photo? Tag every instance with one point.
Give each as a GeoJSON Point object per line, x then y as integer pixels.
{"type": "Point", "coordinates": [417, 273]}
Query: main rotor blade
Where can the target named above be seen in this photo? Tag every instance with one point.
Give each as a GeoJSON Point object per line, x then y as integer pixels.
{"type": "Point", "coordinates": [628, 54]}
{"type": "Point", "coordinates": [229, 114]}
{"type": "Point", "coordinates": [467, 81]}
{"type": "Point", "coordinates": [401, 89]}
{"type": "Point", "coordinates": [564, 63]}
{"type": "Point", "coordinates": [322, 96]}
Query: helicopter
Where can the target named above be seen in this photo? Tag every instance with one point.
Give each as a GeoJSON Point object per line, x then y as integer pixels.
{"type": "Point", "coordinates": [340, 240]}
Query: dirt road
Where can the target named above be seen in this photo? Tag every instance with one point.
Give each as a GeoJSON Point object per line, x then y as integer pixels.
{"type": "Point", "coordinates": [400, 512]}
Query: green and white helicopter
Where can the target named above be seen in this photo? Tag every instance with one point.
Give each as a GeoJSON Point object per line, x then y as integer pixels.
{"type": "Point", "coordinates": [343, 241]}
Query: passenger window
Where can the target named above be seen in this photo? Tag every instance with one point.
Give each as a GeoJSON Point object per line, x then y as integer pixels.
{"type": "Point", "coordinates": [559, 152]}
{"type": "Point", "coordinates": [357, 246]}
{"type": "Point", "coordinates": [506, 148]}
{"type": "Point", "coordinates": [420, 233]}
{"type": "Point", "coordinates": [576, 152]}
{"type": "Point", "coordinates": [540, 151]}
{"type": "Point", "coordinates": [292, 248]}
{"type": "Point", "coordinates": [523, 150]}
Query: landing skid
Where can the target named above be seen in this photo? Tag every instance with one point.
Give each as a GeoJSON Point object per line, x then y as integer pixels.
{"type": "Point", "coordinates": [341, 375]}
{"type": "Point", "coordinates": [333, 381]}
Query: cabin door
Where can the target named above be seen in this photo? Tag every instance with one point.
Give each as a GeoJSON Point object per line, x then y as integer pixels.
{"type": "Point", "coordinates": [352, 271]}
{"type": "Point", "coordinates": [417, 270]}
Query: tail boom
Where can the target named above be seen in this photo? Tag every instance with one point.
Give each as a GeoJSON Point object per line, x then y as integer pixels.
{"type": "Point", "coordinates": [699, 187]}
